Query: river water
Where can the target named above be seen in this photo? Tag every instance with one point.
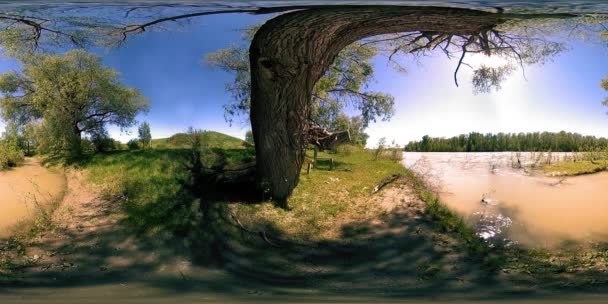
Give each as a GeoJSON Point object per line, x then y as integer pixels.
{"type": "Point", "coordinates": [23, 190]}
{"type": "Point", "coordinates": [507, 204]}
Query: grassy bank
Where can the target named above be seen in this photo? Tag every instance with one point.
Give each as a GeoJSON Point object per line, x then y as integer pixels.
{"type": "Point", "coordinates": [13, 250]}
{"type": "Point", "coordinates": [572, 168]}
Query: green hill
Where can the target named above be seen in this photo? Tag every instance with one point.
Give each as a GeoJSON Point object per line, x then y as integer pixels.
{"type": "Point", "coordinates": [211, 138]}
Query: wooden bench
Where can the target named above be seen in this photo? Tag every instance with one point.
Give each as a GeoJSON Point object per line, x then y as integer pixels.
{"type": "Point", "coordinates": [309, 163]}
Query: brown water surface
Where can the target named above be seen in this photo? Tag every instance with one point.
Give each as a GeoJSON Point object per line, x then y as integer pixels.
{"type": "Point", "coordinates": [533, 209]}
{"type": "Point", "coordinates": [21, 188]}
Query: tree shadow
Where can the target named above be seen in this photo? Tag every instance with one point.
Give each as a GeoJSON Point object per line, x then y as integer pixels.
{"type": "Point", "coordinates": [403, 255]}
{"type": "Point", "coordinates": [406, 253]}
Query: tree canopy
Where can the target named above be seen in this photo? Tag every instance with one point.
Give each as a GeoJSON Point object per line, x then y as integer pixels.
{"type": "Point", "coordinates": [344, 84]}
{"type": "Point", "coordinates": [69, 95]}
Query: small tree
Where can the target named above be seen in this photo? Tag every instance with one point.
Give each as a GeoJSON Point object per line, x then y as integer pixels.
{"type": "Point", "coordinates": [380, 148]}
{"type": "Point", "coordinates": [145, 137]}
{"type": "Point", "coordinates": [249, 138]}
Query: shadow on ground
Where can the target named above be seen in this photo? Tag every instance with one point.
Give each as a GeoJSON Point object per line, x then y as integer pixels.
{"type": "Point", "coordinates": [402, 255]}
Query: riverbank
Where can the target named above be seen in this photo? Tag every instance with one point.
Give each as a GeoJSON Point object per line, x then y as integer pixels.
{"type": "Point", "coordinates": [400, 242]}
{"type": "Point", "coordinates": [27, 191]}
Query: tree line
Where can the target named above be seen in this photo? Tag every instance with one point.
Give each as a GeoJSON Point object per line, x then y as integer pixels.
{"type": "Point", "coordinates": [536, 141]}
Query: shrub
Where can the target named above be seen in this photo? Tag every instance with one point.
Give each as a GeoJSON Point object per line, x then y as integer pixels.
{"type": "Point", "coordinates": [103, 144]}
{"type": "Point", "coordinates": [133, 144]}
{"type": "Point", "coordinates": [381, 147]}
{"type": "Point", "coordinates": [10, 155]}
{"type": "Point", "coordinates": [396, 154]}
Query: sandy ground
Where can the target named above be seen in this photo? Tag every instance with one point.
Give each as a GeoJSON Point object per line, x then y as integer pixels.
{"type": "Point", "coordinates": [91, 257]}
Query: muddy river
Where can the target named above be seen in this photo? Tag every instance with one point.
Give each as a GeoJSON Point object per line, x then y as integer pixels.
{"type": "Point", "coordinates": [509, 204]}
{"type": "Point", "coordinates": [23, 190]}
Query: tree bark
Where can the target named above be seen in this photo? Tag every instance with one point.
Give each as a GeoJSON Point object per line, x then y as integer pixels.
{"type": "Point", "coordinates": [291, 52]}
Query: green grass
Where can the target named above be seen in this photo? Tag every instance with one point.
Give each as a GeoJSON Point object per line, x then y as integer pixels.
{"type": "Point", "coordinates": [145, 182]}
{"type": "Point", "coordinates": [571, 168]}
{"type": "Point", "coordinates": [213, 139]}
{"type": "Point", "coordinates": [148, 182]}
{"type": "Point", "coordinates": [324, 197]}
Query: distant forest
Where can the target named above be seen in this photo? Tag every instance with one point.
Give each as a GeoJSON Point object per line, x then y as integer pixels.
{"type": "Point", "coordinates": [477, 142]}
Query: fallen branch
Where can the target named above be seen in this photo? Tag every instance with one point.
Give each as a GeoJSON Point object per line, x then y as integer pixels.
{"type": "Point", "coordinates": [387, 180]}
{"type": "Point", "coordinates": [270, 240]}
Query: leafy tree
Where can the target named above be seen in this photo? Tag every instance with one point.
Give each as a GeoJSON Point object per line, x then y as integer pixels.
{"type": "Point", "coordinates": [71, 95]}
{"type": "Point", "coordinates": [344, 84]}
{"type": "Point", "coordinates": [145, 136]}
{"type": "Point", "coordinates": [355, 127]}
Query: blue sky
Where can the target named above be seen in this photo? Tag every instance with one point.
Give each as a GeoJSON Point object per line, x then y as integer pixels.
{"type": "Point", "coordinates": [167, 67]}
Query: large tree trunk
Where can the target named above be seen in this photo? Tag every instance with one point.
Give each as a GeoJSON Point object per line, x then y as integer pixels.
{"type": "Point", "coordinates": [291, 52]}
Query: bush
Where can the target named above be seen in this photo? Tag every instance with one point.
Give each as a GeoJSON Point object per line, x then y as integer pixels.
{"type": "Point", "coordinates": [133, 144]}
{"type": "Point", "coordinates": [396, 154]}
{"type": "Point", "coordinates": [10, 155]}
{"type": "Point", "coordinates": [103, 144]}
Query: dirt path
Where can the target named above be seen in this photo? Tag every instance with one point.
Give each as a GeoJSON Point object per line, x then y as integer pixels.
{"type": "Point", "coordinates": [91, 256]}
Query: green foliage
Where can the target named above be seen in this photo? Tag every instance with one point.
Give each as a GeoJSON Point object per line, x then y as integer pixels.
{"type": "Point", "coordinates": [380, 148]}
{"type": "Point", "coordinates": [145, 136]}
{"type": "Point", "coordinates": [485, 78]}
{"type": "Point", "coordinates": [355, 127]}
{"type": "Point", "coordinates": [133, 144]}
{"type": "Point", "coordinates": [343, 83]}
{"type": "Point", "coordinates": [70, 94]}
{"type": "Point", "coordinates": [152, 185]}
{"type": "Point", "coordinates": [10, 155]}
{"type": "Point", "coordinates": [477, 142]}
{"type": "Point", "coordinates": [102, 142]}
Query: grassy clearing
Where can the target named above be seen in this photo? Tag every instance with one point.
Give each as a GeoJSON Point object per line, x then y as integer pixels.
{"type": "Point", "coordinates": [148, 184]}
{"type": "Point", "coordinates": [323, 198]}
